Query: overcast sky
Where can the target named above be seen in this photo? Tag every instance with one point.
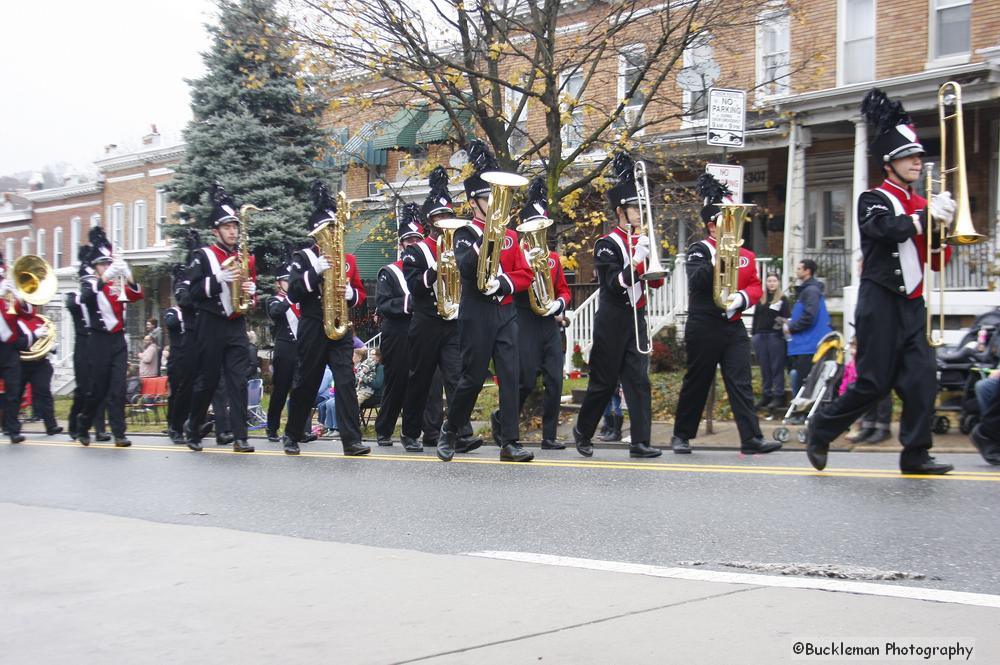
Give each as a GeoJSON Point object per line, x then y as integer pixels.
{"type": "Point", "coordinates": [79, 75]}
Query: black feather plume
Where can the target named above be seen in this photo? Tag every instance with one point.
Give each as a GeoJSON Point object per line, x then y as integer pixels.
{"type": "Point", "coordinates": [711, 190]}
{"type": "Point", "coordinates": [623, 167]}
{"type": "Point", "coordinates": [481, 157]}
{"type": "Point", "coordinates": [882, 112]}
{"type": "Point", "coordinates": [192, 243]}
{"type": "Point", "coordinates": [220, 197]}
{"type": "Point", "coordinates": [98, 238]}
{"type": "Point", "coordinates": [83, 253]}
{"type": "Point", "coordinates": [538, 191]}
{"type": "Point", "coordinates": [320, 195]}
{"type": "Point", "coordinates": [438, 179]}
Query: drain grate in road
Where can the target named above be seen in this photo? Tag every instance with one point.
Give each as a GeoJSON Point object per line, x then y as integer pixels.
{"type": "Point", "coordinates": [827, 570]}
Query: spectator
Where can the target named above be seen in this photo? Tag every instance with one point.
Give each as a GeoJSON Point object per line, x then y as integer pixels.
{"type": "Point", "coordinates": [254, 372]}
{"type": "Point", "coordinates": [149, 358]}
{"type": "Point", "coordinates": [769, 317]}
{"type": "Point", "coordinates": [986, 389]}
{"type": "Point", "coordinates": [326, 412]}
{"type": "Point", "coordinates": [371, 375]}
{"type": "Point", "coordinates": [153, 329]}
{"type": "Point", "coordinates": [809, 323]}
{"type": "Point", "coordinates": [613, 417]}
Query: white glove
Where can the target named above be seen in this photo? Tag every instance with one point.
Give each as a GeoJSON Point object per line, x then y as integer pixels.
{"type": "Point", "coordinates": [41, 331]}
{"type": "Point", "coordinates": [641, 250]}
{"type": "Point", "coordinates": [736, 304]}
{"type": "Point", "coordinates": [226, 276]}
{"type": "Point", "coordinates": [250, 288]}
{"type": "Point", "coordinates": [943, 207]}
{"type": "Point", "coordinates": [6, 286]}
{"type": "Point", "coordinates": [322, 264]}
{"type": "Point", "coordinates": [111, 272]}
{"type": "Point", "coordinates": [348, 291]}
{"type": "Point", "coordinates": [492, 286]}
{"type": "Point", "coordinates": [553, 307]}
{"type": "Point", "coordinates": [533, 254]}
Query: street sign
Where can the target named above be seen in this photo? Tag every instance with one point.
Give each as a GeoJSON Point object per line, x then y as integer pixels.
{"type": "Point", "coordinates": [729, 175]}
{"type": "Point", "coordinates": [726, 117]}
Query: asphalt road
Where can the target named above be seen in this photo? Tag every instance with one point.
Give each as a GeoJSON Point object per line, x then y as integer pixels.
{"type": "Point", "coordinates": [710, 507]}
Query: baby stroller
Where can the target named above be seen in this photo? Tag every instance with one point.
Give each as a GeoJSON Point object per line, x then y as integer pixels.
{"type": "Point", "coordinates": [960, 367]}
{"type": "Point", "coordinates": [819, 388]}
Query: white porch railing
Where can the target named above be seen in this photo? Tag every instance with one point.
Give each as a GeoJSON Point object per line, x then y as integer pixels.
{"type": "Point", "coordinates": [373, 343]}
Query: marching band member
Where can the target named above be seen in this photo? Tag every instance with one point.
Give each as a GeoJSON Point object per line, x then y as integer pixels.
{"type": "Point", "coordinates": [714, 337]}
{"type": "Point", "coordinates": [433, 341]}
{"type": "Point", "coordinates": [487, 322]}
{"type": "Point", "coordinates": [181, 321]}
{"type": "Point", "coordinates": [890, 320]}
{"type": "Point", "coordinates": [81, 359]}
{"type": "Point", "coordinates": [106, 346]}
{"type": "Point", "coordinates": [316, 350]}
{"type": "Point", "coordinates": [615, 356]}
{"type": "Point", "coordinates": [38, 374]}
{"type": "Point", "coordinates": [539, 343]}
{"type": "Point", "coordinates": [221, 333]}
{"type": "Point", "coordinates": [284, 315]}
{"type": "Point", "coordinates": [394, 305]}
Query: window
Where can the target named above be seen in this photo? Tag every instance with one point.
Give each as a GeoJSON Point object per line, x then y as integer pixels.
{"type": "Point", "coordinates": [950, 25]}
{"type": "Point", "coordinates": [117, 224]}
{"type": "Point", "coordinates": [74, 234]}
{"type": "Point", "coordinates": [571, 84]}
{"type": "Point", "coordinates": [8, 251]}
{"type": "Point", "coordinates": [828, 225]}
{"type": "Point", "coordinates": [25, 245]}
{"type": "Point", "coordinates": [57, 248]}
{"type": "Point", "coordinates": [772, 53]}
{"type": "Point", "coordinates": [519, 134]}
{"type": "Point", "coordinates": [40, 242]}
{"type": "Point", "coordinates": [699, 73]}
{"type": "Point", "coordinates": [631, 67]}
{"type": "Point", "coordinates": [139, 225]}
{"type": "Point", "coordinates": [161, 214]}
{"type": "Point", "coordinates": [95, 220]}
{"type": "Point", "coordinates": [857, 49]}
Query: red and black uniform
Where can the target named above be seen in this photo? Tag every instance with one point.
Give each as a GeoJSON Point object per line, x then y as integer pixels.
{"type": "Point", "coordinates": [713, 340]}
{"type": "Point", "coordinates": [316, 351]}
{"type": "Point", "coordinates": [16, 335]}
{"type": "Point", "coordinates": [181, 322]}
{"type": "Point", "coordinates": [38, 374]}
{"type": "Point", "coordinates": [220, 340]}
{"type": "Point", "coordinates": [890, 323]}
{"type": "Point", "coordinates": [108, 351]}
{"type": "Point", "coordinates": [487, 329]}
{"type": "Point", "coordinates": [614, 357]}
{"type": "Point", "coordinates": [81, 364]}
{"type": "Point", "coordinates": [284, 315]}
{"type": "Point", "coordinates": [540, 349]}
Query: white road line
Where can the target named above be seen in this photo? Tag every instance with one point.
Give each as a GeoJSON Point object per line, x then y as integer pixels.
{"type": "Point", "coordinates": [866, 588]}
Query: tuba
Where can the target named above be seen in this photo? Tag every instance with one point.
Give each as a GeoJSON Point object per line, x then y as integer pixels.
{"type": "Point", "coordinates": [495, 229]}
{"type": "Point", "coordinates": [330, 238]}
{"type": "Point", "coordinates": [533, 240]}
{"type": "Point", "coordinates": [43, 346]}
{"type": "Point", "coordinates": [963, 232]}
{"type": "Point", "coordinates": [728, 240]}
{"type": "Point", "coordinates": [241, 301]}
{"type": "Point", "coordinates": [34, 281]}
{"type": "Point", "coordinates": [448, 286]}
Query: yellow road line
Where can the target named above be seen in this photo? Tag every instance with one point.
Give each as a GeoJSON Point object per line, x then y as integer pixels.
{"type": "Point", "coordinates": [574, 464]}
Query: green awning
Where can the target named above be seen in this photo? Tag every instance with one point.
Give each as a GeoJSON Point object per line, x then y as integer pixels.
{"type": "Point", "coordinates": [359, 150]}
{"type": "Point", "coordinates": [401, 130]}
{"type": "Point", "coordinates": [438, 126]}
{"type": "Point", "coordinates": [372, 240]}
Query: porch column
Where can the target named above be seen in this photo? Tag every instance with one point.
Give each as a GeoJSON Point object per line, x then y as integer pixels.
{"type": "Point", "coordinates": [793, 245]}
{"type": "Point", "coordinates": [860, 185]}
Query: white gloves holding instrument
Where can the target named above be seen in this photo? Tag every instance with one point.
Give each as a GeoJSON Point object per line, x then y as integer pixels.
{"type": "Point", "coordinates": [943, 207]}
{"type": "Point", "coordinates": [348, 292]}
{"type": "Point", "coordinates": [250, 288]}
{"type": "Point", "coordinates": [737, 303]}
{"type": "Point", "coordinates": [6, 286]}
{"type": "Point", "coordinates": [321, 264]}
{"type": "Point", "coordinates": [553, 308]}
{"type": "Point", "coordinates": [641, 250]}
{"type": "Point", "coordinates": [492, 286]}
{"type": "Point", "coordinates": [41, 331]}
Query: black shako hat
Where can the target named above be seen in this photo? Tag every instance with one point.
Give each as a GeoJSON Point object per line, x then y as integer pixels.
{"type": "Point", "coordinates": [100, 247]}
{"type": "Point", "coordinates": [223, 207]}
{"type": "Point", "coordinates": [482, 161]}
{"type": "Point", "coordinates": [536, 205]}
{"type": "Point", "coordinates": [438, 200]}
{"type": "Point", "coordinates": [894, 133]}
{"type": "Point", "coordinates": [624, 193]}
{"type": "Point", "coordinates": [712, 193]}
{"type": "Point", "coordinates": [411, 221]}
{"type": "Point", "coordinates": [324, 206]}
{"type": "Point", "coordinates": [83, 258]}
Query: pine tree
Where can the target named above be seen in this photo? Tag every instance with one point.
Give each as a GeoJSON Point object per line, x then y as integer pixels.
{"type": "Point", "coordinates": [256, 129]}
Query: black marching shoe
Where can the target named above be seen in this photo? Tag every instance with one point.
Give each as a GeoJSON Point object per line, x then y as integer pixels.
{"type": "Point", "coordinates": [52, 431]}
{"type": "Point", "coordinates": [552, 444]}
{"type": "Point", "coordinates": [515, 452]}
{"type": "Point", "coordinates": [18, 438]}
{"type": "Point", "coordinates": [122, 442]}
{"type": "Point", "coordinates": [776, 404]}
{"type": "Point", "coordinates": [643, 450]}
{"type": "Point", "coordinates": [273, 437]}
{"type": "Point", "coordinates": [72, 435]}
{"type": "Point", "coordinates": [762, 402]}
{"type": "Point", "coordinates": [224, 439]}
{"type": "Point", "coordinates": [816, 451]}
{"type": "Point", "coordinates": [411, 445]}
{"type": "Point", "coordinates": [990, 450]}
{"type": "Point", "coordinates": [878, 436]}
{"type": "Point", "coordinates": [468, 444]}
{"type": "Point", "coordinates": [929, 467]}
{"type": "Point", "coordinates": [583, 446]}
{"type": "Point", "coordinates": [758, 446]}
{"type": "Point", "coordinates": [241, 446]}
{"type": "Point", "coordinates": [82, 437]}
{"type": "Point", "coordinates": [384, 441]}
{"type": "Point", "coordinates": [309, 438]}
{"type": "Point", "coordinates": [291, 447]}
{"type": "Point", "coordinates": [103, 436]}
{"type": "Point", "coordinates": [495, 427]}
{"type": "Point", "coordinates": [616, 430]}
{"type": "Point", "coordinates": [356, 449]}
{"type": "Point", "coordinates": [177, 439]}
{"type": "Point", "coordinates": [194, 444]}
{"type": "Point", "coordinates": [446, 445]}
{"type": "Point", "coordinates": [680, 446]}
{"type": "Point", "coordinates": [861, 436]}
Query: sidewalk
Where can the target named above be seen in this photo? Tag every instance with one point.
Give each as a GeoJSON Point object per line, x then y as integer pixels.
{"type": "Point", "coordinates": [81, 588]}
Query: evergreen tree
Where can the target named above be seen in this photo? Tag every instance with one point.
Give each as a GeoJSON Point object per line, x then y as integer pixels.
{"type": "Point", "coordinates": [256, 129]}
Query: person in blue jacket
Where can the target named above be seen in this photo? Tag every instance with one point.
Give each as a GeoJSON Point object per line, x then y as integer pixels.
{"type": "Point", "coordinates": [809, 323]}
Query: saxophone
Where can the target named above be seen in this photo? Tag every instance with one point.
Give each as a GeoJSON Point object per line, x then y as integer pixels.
{"type": "Point", "coordinates": [241, 301]}
{"type": "Point", "coordinates": [330, 238]}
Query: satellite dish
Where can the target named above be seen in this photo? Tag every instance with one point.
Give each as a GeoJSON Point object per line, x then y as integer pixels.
{"type": "Point", "coordinates": [458, 159]}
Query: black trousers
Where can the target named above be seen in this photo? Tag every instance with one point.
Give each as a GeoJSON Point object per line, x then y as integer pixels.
{"type": "Point", "coordinates": [892, 354]}
{"type": "Point", "coordinates": [182, 371]}
{"type": "Point", "coordinates": [435, 359]}
{"type": "Point", "coordinates": [222, 355]}
{"type": "Point", "coordinates": [10, 372]}
{"type": "Point", "coordinates": [283, 372]}
{"type": "Point", "coordinates": [989, 426]}
{"type": "Point", "coordinates": [80, 365]}
{"type": "Point", "coordinates": [316, 352]}
{"type": "Point", "coordinates": [222, 413]}
{"type": "Point", "coordinates": [38, 374]}
{"type": "Point", "coordinates": [614, 358]}
{"type": "Point", "coordinates": [540, 349]}
{"type": "Point", "coordinates": [715, 342]}
{"type": "Point", "coordinates": [108, 354]}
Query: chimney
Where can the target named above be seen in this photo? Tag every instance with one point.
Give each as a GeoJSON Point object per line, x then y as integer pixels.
{"type": "Point", "coordinates": [152, 139]}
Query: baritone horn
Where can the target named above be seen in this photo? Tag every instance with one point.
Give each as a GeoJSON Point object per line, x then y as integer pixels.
{"type": "Point", "coordinates": [728, 240]}
{"type": "Point", "coordinates": [502, 186]}
{"type": "Point", "coordinates": [535, 243]}
{"type": "Point", "coordinates": [654, 268]}
{"type": "Point", "coordinates": [962, 232]}
{"type": "Point", "coordinates": [448, 285]}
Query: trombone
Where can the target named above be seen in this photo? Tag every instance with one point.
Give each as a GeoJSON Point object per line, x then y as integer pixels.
{"type": "Point", "coordinates": [654, 268]}
{"type": "Point", "coordinates": [963, 232]}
